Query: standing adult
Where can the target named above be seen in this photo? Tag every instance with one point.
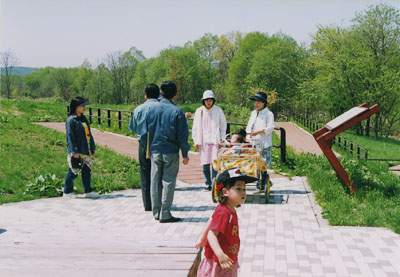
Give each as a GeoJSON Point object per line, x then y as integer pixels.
{"type": "Point", "coordinates": [80, 148]}
{"type": "Point", "coordinates": [209, 128]}
{"type": "Point", "coordinates": [138, 126]}
{"type": "Point", "coordinates": [260, 127]}
{"type": "Point", "coordinates": [168, 130]}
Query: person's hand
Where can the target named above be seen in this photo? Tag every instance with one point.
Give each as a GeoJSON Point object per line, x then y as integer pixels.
{"type": "Point", "coordinates": [257, 133]}
{"type": "Point", "coordinates": [188, 115]}
{"type": "Point", "coordinates": [185, 161]}
{"type": "Point", "coordinates": [76, 156]}
{"type": "Point", "coordinates": [225, 262]}
{"type": "Point", "coordinates": [201, 243]}
{"type": "Point", "coordinates": [197, 147]}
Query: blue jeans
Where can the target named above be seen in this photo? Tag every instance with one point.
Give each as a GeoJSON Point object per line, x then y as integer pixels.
{"type": "Point", "coordinates": [267, 155]}
{"type": "Point", "coordinates": [86, 176]}
{"type": "Point", "coordinates": [206, 172]}
{"type": "Point", "coordinates": [164, 170]}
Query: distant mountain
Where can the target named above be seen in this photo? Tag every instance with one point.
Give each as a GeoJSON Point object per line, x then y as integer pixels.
{"type": "Point", "coordinates": [20, 70]}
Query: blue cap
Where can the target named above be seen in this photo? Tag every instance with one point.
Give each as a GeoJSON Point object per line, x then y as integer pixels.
{"type": "Point", "coordinates": [84, 103]}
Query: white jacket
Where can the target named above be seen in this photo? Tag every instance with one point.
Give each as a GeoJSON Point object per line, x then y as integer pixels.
{"type": "Point", "coordinates": [218, 125]}
{"type": "Point", "coordinates": [264, 121]}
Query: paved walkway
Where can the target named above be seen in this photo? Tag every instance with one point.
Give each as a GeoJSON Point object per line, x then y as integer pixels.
{"type": "Point", "coordinates": [299, 139]}
{"type": "Point", "coordinates": [113, 236]}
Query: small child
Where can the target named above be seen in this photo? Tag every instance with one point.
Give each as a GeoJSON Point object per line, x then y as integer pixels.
{"type": "Point", "coordinates": [221, 235]}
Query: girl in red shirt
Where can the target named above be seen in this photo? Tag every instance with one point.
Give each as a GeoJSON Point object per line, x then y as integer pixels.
{"type": "Point", "coordinates": [221, 236]}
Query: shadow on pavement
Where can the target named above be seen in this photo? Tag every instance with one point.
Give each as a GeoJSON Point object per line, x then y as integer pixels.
{"type": "Point", "coordinates": [194, 219]}
{"type": "Point", "coordinates": [192, 208]}
{"type": "Point", "coordinates": [190, 188]}
{"type": "Point", "coordinates": [290, 192]}
{"type": "Point", "coordinates": [110, 196]}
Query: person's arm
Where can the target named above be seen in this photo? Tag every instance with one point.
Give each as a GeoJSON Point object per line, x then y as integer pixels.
{"type": "Point", "coordinates": [196, 129]}
{"type": "Point", "coordinates": [71, 140]}
{"type": "Point", "coordinates": [132, 123]}
{"type": "Point", "coordinates": [248, 127]}
{"type": "Point", "coordinates": [92, 144]}
{"type": "Point", "coordinates": [270, 125]}
{"type": "Point", "coordinates": [223, 125]}
{"type": "Point", "coordinates": [183, 135]}
{"type": "Point", "coordinates": [224, 260]}
{"type": "Point", "coordinates": [203, 239]}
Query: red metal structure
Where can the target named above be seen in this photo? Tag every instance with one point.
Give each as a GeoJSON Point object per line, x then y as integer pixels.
{"type": "Point", "coordinates": [325, 135]}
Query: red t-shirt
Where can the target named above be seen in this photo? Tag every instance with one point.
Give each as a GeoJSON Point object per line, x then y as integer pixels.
{"type": "Point", "coordinates": [226, 223]}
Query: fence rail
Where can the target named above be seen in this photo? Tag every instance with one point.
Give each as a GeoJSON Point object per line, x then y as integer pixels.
{"type": "Point", "coordinates": [109, 119]}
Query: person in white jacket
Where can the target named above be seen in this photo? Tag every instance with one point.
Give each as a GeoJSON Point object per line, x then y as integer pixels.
{"type": "Point", "coordinates": [209, 129]}
{"type": "Point", "coordinates": [260, 127]}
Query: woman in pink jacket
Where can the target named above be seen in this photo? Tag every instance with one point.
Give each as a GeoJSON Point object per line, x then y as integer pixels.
{"type": "Point", "coordinates": [209, 129]}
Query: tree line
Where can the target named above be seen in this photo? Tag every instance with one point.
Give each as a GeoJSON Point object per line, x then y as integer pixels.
{"type": "Point", "coordinates": [341, 68]}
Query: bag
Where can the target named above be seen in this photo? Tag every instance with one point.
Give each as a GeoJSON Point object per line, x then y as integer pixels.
{"type": "Point", "coordinates": [77, 162]}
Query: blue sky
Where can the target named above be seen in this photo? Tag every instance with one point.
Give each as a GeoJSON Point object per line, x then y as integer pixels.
{"type": "Point", "coordinates": [65, 33]}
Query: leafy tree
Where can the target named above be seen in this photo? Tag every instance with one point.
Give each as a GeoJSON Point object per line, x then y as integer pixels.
{"type": "Point", "coordinates": [240, 67]}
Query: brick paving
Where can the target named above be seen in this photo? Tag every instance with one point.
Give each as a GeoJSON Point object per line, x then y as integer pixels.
{"type": "Point", "coordinates": [286, 237]}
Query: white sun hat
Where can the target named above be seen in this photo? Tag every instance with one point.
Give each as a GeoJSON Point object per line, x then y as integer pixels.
{"type": "Point", "coordinates": [208, 94]}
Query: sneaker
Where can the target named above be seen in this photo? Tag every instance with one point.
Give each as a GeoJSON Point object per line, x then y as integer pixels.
{"type": "Point", "coordinates": [69, 195]}
{"type": "Point", "coordinates": [92, 194]}
{"type": "Point", "coordinates": [170, 220]}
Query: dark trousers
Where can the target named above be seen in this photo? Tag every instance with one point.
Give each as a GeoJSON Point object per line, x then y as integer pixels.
{"type": "Point", "coordinates": [145, 170]}
{"type": "Point", "coordinates": [86, 176]}
{"type": "Point", "coordinates": [207, 175]}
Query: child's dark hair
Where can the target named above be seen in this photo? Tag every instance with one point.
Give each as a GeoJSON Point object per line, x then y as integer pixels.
{"type": "Point", "coordinates": [241, 132]}
{"type": "Point", "coordinates": [75, 103]}
{"type": "Point", "coordinates": [152, 91]}
{"type": "Point", "coordinates": [240, 138]}
{"type": "Point", "coordinates": [220, 196]}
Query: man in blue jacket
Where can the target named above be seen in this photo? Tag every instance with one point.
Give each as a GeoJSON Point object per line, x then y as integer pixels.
{"type": "Point", "coordinates": [168, 131]}
{"type": "Point", "coordinates": [138, 126]}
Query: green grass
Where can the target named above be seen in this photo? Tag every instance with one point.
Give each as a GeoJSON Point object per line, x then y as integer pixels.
{"type": "Point", "coordinates": [377, 201]}
{"type": "Point", "coordinates": [28, 151]}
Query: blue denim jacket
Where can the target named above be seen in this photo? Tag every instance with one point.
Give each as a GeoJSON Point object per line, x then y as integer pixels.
{"type": "Point", "coordinates": [76, 138]}
{"type": "Point", "coordinates": [137, 125]}
{"type": "Point", "coordinates": [167, 126]}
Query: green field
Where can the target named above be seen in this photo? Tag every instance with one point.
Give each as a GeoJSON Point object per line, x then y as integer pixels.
{"type": "Point", "coordinates": [28, 151]}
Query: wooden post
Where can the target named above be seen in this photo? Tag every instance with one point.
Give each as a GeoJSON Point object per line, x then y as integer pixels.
{"type": "Point", "coordinates": [119, 119]}
{"type": "Point", "coordinates": [99, 116]}
{"type": "Point", "coordinates": [90, 115]}
{"type": "Point", "coordinates": [109, 117]}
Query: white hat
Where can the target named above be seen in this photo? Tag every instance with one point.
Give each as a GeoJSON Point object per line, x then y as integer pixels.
{"type": "Point", "coordinates": [208, 94]}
